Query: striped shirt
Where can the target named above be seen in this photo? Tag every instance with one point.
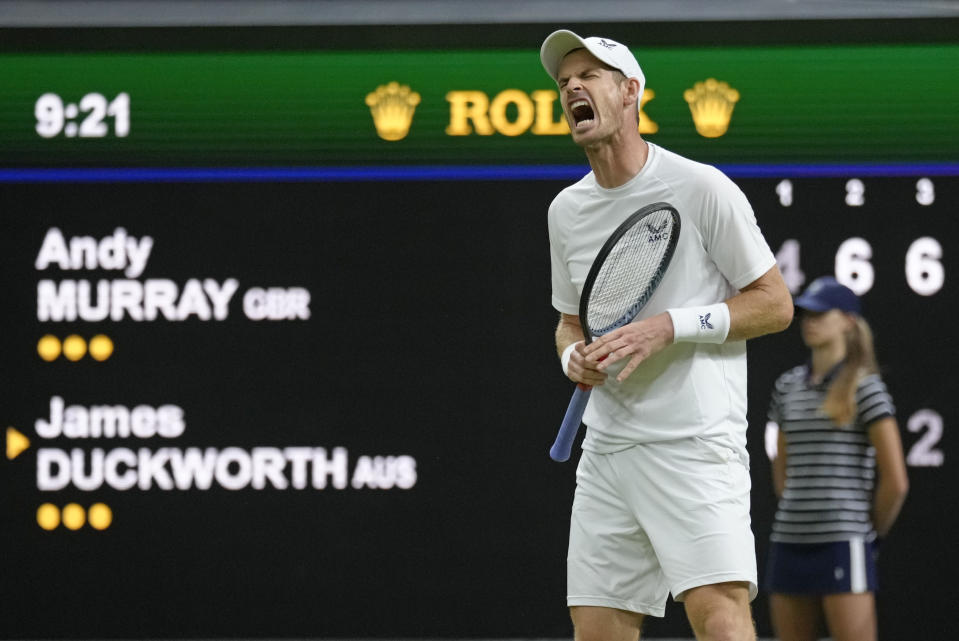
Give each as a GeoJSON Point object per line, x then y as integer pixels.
{"type": "Point", "coordinates": [830, 470]}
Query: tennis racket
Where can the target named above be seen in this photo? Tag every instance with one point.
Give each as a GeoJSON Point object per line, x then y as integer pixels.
{"type": "Point", "coordinates": [624, 275]}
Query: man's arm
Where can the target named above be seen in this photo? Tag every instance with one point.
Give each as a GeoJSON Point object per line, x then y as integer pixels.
{"type": "Point", "coordinates": [568, 331]}
{"type": "Point", "coordinates": [764, 306]}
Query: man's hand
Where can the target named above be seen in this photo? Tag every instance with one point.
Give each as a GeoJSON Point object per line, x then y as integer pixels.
{"type": "Point", "coordinates": [581, 370]}
{"type": "Point", "coordinates": [578, 369]}
{"type": "Point", "coordinates": [637, 341]}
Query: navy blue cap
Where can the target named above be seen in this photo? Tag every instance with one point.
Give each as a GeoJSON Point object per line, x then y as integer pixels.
{"type": "Point", "coordinates": [827, 293]}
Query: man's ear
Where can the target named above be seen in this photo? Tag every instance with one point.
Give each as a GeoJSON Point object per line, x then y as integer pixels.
{"type": "Point", "coordinates": [631, 97]}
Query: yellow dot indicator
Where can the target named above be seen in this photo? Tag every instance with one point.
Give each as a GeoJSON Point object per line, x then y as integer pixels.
{"type": "Point", "coordinates": [74, 516]}
{"type": "Point", "coordinates": [48, 347]}
{"type": "Point", "coordinates": [74, 347]}
{"type": "Point", "coordinates": [48, 516]}
{"type": "Point", "coordinates": [101, 347]}
{"type": "Point", "coordinates": [101, 516]}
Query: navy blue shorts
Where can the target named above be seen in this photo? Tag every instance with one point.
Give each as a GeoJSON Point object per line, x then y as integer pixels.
{"type": "Point", "coordinates": [822, 568]}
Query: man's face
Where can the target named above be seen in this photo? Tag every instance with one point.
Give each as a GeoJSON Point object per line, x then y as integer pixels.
{"type": "Point", "coordinates": [592, 96]}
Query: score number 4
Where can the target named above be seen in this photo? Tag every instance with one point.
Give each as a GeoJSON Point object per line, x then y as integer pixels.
{"type": "Point", "coordinates": [924, 271]}
{"type": "Point", "coordinates": [54, 117]}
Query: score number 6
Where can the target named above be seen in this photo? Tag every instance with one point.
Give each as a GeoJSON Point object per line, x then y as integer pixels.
{"type": "Point", "coordinates": [924, 271]}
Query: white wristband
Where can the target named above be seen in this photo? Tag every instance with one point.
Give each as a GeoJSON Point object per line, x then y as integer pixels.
{"type": "Point", "coordinates": [566, 354]}
{"type": "Point", "coordinates": [705, 324]}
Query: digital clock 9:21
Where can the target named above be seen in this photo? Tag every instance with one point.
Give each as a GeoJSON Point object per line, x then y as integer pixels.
{"type": "Point", "coordinates": [86, 119]}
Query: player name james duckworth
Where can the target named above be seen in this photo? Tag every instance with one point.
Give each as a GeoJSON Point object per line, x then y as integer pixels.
{"type": "Point", "coordinates": [144, 300]}
{"type": "Point", "coordinates": [172, 468]}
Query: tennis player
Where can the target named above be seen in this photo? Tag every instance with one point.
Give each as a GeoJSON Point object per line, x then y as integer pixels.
{"type": "Point", "coordinates": [662, 495]}
{"type": "Point", "coordinates": [837, 429]}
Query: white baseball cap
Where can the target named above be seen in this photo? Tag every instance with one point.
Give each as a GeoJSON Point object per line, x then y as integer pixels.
{"type": "Point", "coordinates": [616, 55]}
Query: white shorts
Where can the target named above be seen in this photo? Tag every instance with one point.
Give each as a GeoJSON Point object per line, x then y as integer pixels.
{"type": "Point", "coordinates": [659, 518]}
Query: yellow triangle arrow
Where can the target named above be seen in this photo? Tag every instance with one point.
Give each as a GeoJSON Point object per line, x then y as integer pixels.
{"type": "Point", "coordinates": [16, 443]}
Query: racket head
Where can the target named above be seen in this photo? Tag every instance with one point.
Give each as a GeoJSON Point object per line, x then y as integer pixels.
{"type": "Point", "coordinates": [628, 268]}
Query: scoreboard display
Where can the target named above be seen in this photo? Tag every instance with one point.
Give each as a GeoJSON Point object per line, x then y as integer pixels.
{"type": "Point", "coordinates": [278, 338]}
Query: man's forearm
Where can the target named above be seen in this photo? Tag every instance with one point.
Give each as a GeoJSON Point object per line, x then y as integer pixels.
{"type": "Point", "coordinates": [568, 331]}
{"type": "Point", "coordinates": [764, 307]}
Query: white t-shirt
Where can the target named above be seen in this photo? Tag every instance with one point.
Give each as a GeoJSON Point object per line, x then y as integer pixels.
{"type": "Point", "coordinates": [688, 389]}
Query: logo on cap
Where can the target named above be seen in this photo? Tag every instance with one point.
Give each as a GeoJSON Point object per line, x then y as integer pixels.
{"type": "Point", "coordinates": [608, 45]}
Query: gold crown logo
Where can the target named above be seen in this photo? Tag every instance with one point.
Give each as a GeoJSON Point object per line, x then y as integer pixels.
{"type": "Point", "coordinates": [392, 106]}
{"type": "Point", "coordinates": [711, 103]}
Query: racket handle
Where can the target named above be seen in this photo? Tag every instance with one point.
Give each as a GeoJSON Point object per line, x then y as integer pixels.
{"type": "Point", "coordinates": [567, 431]}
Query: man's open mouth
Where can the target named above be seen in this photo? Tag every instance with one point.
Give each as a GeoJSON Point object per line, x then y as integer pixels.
{"type": "Point", "coordinates": [581, 111]}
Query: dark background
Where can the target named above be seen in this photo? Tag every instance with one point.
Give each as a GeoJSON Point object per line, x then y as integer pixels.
{"type": "Point", "coordinates": [430, 336]}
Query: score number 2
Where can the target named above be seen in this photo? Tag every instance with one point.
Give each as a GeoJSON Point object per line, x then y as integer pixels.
{"type": "Point", "coordinates": [54, 117]}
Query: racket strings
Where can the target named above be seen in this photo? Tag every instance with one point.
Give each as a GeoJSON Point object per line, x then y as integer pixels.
{"type": "Point", "coordinates": [630, 273]}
